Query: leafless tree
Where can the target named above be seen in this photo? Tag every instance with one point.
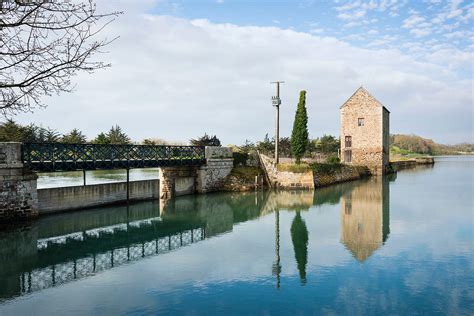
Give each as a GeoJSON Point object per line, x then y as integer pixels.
{"type": "Point", "coordinates": [43, 43]}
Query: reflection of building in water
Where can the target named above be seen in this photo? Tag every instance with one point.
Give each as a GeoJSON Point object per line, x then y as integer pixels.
{"type": "Point", "coordinates": [365, 219]}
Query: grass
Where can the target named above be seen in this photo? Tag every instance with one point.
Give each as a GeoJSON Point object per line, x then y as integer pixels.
{"type": "Point", "coordinates": [295, 168]}
{"type": "Point", "coordinates": [245, 172]}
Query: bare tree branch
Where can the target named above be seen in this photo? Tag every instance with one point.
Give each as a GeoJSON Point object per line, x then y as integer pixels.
{"type": "Point", "coordinates": [43, 44]}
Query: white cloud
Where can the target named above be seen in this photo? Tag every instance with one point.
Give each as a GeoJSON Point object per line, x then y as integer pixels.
{"type": "Point", "coordinates": [412, 21]}
{"type": "Point", "coordinates": [454, 13]}
{"type": "Point", "coordinates": [355, 15]}
{"type": "Point", "coordinates": [176, 79]}
{"type": "Point", "coordinates": [316, 31]}
{"type": "Point", "coordinates": [420, 32]}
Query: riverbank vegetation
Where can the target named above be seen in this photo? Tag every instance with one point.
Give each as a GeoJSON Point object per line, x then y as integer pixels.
{"type": "Point", "coordinates": [413, 146]}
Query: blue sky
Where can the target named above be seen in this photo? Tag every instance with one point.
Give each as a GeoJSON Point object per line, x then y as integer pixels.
{"type": "Point", "coordinates": [182, 68]}
{"type": "Point", "coordinates": [385, 23]}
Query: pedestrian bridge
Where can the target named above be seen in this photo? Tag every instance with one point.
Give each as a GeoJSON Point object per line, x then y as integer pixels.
{"type": "Point", "coordinates": [51, 157]}
{"type": "Point", "coordinates": [183, 170]}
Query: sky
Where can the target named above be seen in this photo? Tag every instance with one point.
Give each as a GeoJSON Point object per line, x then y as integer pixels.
{"type": "Point", "coordinates": [182, 68]}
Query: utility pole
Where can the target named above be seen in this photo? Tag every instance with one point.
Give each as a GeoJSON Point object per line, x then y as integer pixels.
{"type": "Point", "coordinates": [276, 101]}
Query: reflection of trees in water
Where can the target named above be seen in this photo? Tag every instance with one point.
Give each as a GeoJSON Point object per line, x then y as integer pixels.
{"type": "Point", "coordinates": [299, 237]}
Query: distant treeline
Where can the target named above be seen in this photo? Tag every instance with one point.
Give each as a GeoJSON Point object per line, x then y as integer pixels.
{"type": "Point", "coordinates": [10, 131]}
{"type": "Point", "coordinates": [409, 144]}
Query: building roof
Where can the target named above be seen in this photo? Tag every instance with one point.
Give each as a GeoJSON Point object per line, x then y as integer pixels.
{"type": "Point", "coordinates": [363, 90]}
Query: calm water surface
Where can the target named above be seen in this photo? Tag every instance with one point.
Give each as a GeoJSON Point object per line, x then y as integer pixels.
{"type": "Point", "coordinates": [73, 178]}
{"type": "Point", "coordinates": [397, 245]}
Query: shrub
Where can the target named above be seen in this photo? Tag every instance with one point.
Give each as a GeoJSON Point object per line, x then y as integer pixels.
{"type": "Point", "coordinates": [326, 167]}
{"type": "Point", "coordinates": [240, 158]}
{"type": "Point", "coordinates": [206, 140]}
{"type": "Point", "coordinates": [247, 173]}
{"type": "Point", "coordinates": [333, 160]}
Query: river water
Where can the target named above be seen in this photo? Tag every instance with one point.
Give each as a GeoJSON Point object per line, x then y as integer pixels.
{"type": "Point", "coordinates": [73, 178]}
{"type": "Point", "coordinates": [394, 245]}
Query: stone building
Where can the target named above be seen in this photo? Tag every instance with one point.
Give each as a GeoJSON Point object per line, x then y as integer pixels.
{"type": "Point", "coordinates": [365, 132]}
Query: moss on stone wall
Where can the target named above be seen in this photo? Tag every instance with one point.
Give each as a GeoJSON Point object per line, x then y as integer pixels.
{"type": "Point", "coordinates": [295, 168]}
{"type": "Point", "coordinates": [327, 174]}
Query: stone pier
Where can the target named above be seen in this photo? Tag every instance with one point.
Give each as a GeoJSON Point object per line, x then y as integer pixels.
{"type": "Point", "coordinates": [176, 181]}
{"type": "Point", "coordinates": [18, 194]}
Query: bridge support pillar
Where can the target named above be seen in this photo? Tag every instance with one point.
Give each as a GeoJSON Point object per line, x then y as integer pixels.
{"type": "Point", "coordinates": [18, 191]}
{"type": "Point", "coordinates": [219, 164]}
{"type": "Point", "coordinates": [181, 180]}
{"type": "Point", "coordinates": [176, 181]}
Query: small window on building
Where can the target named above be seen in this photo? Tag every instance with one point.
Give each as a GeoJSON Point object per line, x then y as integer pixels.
{"type": "Point", "coordinates": [348, 142]}
{"type": "Point", "coordinates": [360, 121]}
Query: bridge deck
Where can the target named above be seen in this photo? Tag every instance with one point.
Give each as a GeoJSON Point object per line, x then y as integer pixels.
{"type": "Point", "coordinates": [50, 157]}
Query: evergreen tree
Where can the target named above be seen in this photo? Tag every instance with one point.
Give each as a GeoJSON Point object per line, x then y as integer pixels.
{"type": "Point", "coordinates": [299, 135]}
{"type": "Point", "coordinates": [101, 139]}
{"type": "Point", "coordinates": [10, 131]}
{"type": "Point", "coordinates": [117, 136]}
{"type": "Point", "coordinates": [48, 135]}
{"type": "Point", "coordinates": [31, 133]}
{"type": "Point", "coordinates": [74, 137]}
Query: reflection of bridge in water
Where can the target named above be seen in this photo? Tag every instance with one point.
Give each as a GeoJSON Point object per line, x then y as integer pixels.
{"type": "Point", "coordinates": [69, 247]}
{"type": "Point", "coordinates": [84, 264]}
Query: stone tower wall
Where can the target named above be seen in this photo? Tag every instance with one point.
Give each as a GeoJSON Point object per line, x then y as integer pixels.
{"type": "Point", "coordinates": [370, 141]}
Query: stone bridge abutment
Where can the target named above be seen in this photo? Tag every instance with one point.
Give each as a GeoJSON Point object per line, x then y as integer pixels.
{"type": "Point", "coordinates": [18, 192]}
{"type": "Point", "coordinates": [210, 177]}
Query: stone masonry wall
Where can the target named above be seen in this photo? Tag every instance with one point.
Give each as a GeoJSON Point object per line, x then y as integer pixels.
{"type": "Point", "coordinates": [18, 195]}
{"type": "Point", "coordinates": [370, 141]}
{"type": "Point", "coordinates": [211, 177]}
{"type": "Point", "coordinates": [284, 179]}
{"type": "Point", "coordinates": [168, 177]}
{"type": "Point", "coordinates": [344, 174]}
{"type": "Point", "coordinates": [208, 178]}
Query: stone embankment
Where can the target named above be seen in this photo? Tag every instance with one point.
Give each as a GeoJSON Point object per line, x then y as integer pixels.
{"type": "Point", "coordinates": [303, 179]}
{"type": "Point", "coordinates": [244, 178]}
{"type": "Point", "coordinates": [342, 173]}
{"type": "Point", "coordinates": [410, 163]}
{"type": "Point", "coordinates": [309, 177]}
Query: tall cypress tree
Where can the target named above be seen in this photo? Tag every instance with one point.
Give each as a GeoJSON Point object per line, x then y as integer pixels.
{"type": "Point", "coordinates": [299, 135]}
